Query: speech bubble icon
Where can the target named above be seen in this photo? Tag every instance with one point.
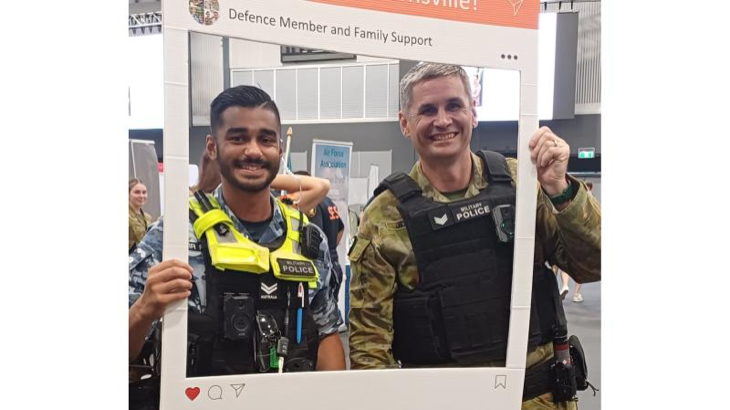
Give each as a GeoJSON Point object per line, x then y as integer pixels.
{"type": "Point", "coordinates": [215, 392]}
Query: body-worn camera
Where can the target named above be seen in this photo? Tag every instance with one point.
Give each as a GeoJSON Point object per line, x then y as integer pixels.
{"type": "Point", "coordinates": [238, 311]}
{"type": "Point", "coordinates": [504, 221]}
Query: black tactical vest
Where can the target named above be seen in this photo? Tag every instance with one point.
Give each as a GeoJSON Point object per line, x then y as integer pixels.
{"type": "Point", "coordinates": [459, 311]}
{"type": "Point", "coordinates": [212, 353]}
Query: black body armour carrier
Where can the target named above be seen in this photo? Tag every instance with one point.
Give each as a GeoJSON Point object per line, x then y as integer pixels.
{"type": "Point", "coordinates": [459, 311]}
{"type": "Point", "coordinates": [212, 353]}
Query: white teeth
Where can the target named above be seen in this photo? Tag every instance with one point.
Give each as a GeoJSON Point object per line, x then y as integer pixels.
{"type": "Point", "coordinates": [441, 137]}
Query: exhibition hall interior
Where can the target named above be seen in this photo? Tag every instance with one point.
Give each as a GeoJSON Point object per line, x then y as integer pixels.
{"type": "Point", "coordinates": [331, 97]}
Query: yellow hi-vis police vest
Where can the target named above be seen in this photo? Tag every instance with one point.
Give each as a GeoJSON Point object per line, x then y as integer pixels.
{"type": "Point", "coordinates": [234, 251]}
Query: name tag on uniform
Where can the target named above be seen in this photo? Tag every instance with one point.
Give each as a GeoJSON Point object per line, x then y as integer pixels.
{"type": "Point", "coordinates": [473, 210]}
{"type": "Point", "coordinates": [303, 269]}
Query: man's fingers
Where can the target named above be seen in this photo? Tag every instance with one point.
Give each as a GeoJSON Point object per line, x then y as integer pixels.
{"type": "Point", "coordinates": [174, 297]}
{"type": "Point", "coordinates": [542, 138]}
{"type": "Point", "coordinates": [171, 273]}
{"type": "Point", "coordinates": [537, 135]}
{"type": "Point", "coordinates": [544, 148]}
{"type": "Point", "coordinates": [547, 156]}
{"type": "Point", "coordinates": [173, 286]}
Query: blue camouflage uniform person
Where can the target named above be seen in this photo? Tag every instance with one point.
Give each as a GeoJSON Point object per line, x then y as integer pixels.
{"type": "Point", "coordinates": [149, 253]}
{"type": "Point", "coordinates": [246, 143]}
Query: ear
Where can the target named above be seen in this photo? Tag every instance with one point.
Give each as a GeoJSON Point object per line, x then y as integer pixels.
{"type": "Point", "coordinates": [211, 147]}
{"type": "Point", "coordinates": [403, 121]}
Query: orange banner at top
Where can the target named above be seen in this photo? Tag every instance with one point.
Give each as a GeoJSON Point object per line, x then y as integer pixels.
{"type": "Point", "coordinates": [506, 13]}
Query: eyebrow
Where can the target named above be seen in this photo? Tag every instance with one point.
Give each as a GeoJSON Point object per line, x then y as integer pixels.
{"type": "Point", "coordinates": [450, 100]}
{"type": "Point", "coordinates": [244, 130]}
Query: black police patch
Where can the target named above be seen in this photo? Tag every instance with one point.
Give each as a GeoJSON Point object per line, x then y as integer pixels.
{"type": "Point", "coordinates": [195, 246]}
{"type": "Point", "coordinates": [304, 269]}
{"type": "Point", "coordinates": [467, 211]}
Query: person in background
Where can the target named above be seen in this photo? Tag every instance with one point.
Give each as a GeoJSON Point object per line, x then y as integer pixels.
{"type": "Point", "coordinates": [209, 175]}
{"type": "Point", "coordinates": [327, 217]}
{"type": "Point", "coordinates": [304, 192]}
{"type": "Point", "coordinates": [139, 220]}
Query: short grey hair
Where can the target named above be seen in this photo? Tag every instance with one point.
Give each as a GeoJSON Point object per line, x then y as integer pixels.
{"type": "Point", "coordinates": [428, 71]}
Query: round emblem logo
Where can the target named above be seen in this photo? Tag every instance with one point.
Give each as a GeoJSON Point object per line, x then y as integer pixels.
{"type": "Point", "coordinates": [204, 11]}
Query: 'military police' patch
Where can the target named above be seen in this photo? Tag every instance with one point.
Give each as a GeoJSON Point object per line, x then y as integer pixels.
{"type": "Point", "coordinates": [304, 269]}
{"type": "Point", "coordinates": [464, 212]}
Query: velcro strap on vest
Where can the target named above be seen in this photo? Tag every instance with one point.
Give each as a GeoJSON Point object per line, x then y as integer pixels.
{"type": "Point", "coordinates": [538, 380]}
{"type": "Point", "coordinates": [401, 185]}
{"type": "Point", "coordinates": [210, 219]}
{"type": "Point", "coordinates": [495, 168]}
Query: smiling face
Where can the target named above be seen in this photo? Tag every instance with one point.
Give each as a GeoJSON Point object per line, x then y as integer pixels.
{"type": "Point", "coordinates": [439, 120]}
{"type": "Point", "coordinates": [138, 195]}
{"type": "Point", "coordinates": [246, 146]}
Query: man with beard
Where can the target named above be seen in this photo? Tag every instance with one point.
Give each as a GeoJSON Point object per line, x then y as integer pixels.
{"type": "Point", "coordinates": [432, 261]}
{"type": "Point", "coordinates": [293, 275]}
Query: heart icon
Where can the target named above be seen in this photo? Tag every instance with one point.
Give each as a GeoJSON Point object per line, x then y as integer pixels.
{"type": "Point", "coordinates": [192, 392]}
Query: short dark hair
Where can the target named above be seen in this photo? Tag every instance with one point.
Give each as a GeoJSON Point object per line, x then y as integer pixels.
{"type": "Point", "coordinates": [302, 172]}
{"type": "Point", "coordinates": [246, 96]}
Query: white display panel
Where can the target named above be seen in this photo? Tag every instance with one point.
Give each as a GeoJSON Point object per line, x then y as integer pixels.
{"type": "Point", "coordinates": [497, 91]}
{"type": "Point", "coordinates": [451, 36]}
{"type": "Point", "coordinates": [145, 82]}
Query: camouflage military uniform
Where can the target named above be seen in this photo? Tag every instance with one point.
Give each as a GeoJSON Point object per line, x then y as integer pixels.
{"type": "Point", "coordinates": [138, 223]}
{"type": "Point", "coordinates": [149, 253]}
{"type": "Point", "coordinates": [569, 238]}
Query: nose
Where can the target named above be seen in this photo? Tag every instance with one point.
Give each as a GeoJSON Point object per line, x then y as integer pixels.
{"type": "Point", "coordinates": [443, 119]}
{"type": "Point", "coordinates": [252, 150]}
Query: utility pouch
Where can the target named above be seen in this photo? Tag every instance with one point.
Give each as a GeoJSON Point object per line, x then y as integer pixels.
{"type": "Point", "coordinates": [476, 320]}
{"type": "Point", "coordinates": [564, 387]}
{"type": "Point", "coordinates": [415, 340]}
{"type": "Point", "coordinates": [579, 363]}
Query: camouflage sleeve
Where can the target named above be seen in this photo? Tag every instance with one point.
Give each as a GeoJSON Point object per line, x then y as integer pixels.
{"type": "Point", "coordinates": [575, 234]}
{"type": "Point", "coordinates": [372, 288]}
{"type": "Point", "coordinates": [147, 254]}
{"type": "Point", "coordinates": [322, 300]}
{"type": "Point", "coordinates": [571, 238]}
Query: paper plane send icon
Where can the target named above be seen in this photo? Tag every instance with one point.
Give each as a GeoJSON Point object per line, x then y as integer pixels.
{"type": "Point", "coordinates": [238, 388]}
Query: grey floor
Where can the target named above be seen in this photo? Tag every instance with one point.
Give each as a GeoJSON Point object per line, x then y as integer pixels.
{"type": "Point", "coordinates": [584, 321]}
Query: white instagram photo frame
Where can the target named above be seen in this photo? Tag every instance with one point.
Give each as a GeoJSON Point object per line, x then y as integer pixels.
{"type": "Point", "coordinates": [452, 40]}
